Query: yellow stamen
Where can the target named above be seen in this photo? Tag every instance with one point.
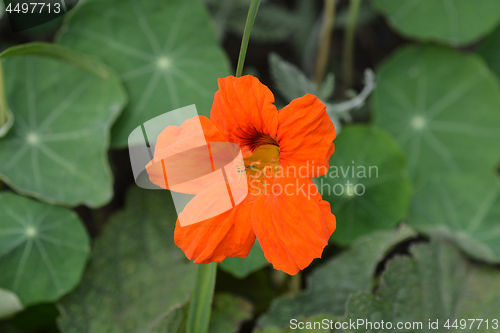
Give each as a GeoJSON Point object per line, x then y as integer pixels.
{"type": "Point", "coordinates": [262, 166]}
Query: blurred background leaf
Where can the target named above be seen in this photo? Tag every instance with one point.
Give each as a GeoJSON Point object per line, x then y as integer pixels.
{"type": "Point", "coordinates": [173, 322]}
{"type": "Point", "coordinates": [442, 108]}
{"type": "Point", "coordinates": [367, 185]}
{"type": "Point", "coordinates": [43, 249]}
{"type": "Point", "coordinates": [463, 208]}
{"type": "Point", "coordinates": [242, 267]}
{"type": "Point", "coordinates": [330, 285]}
{"type": "Point", "coordinates": [57, 148]}
{"type": "Point", "coordinates": [455, 22]}
{"type": "Point", "coordinates": [291, 82]}
{"type": "Point", "coordinates": [435, 282]}
{"type": "Point", "coordinates": [165, 52]}
{"type": "Point", "coordinates": [136, 272]}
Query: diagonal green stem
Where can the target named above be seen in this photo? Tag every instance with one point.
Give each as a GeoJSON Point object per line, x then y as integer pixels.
{"type": "Point", "coordinates": [200, 307]}
{"type": "Point", "coordinates": [3, 102]}
{"type": "Point", "coordinates": [252, 13]}
{"type": "Point", "coordinates": [3, 105]}
{"type": "Point", "coordinates": [352, 19]}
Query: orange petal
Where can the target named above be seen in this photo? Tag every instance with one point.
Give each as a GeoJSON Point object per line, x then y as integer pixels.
{"type": "Point", "coordinates": [305, 136]}
{"type": "Point", "coordinates": [292, 224]}
{"type": "Point", "coordinates": [181, 153]}
{"type": "Point", "coordinates": [243, 108]}
{"type": "Point", "coordinates": [227, 235]}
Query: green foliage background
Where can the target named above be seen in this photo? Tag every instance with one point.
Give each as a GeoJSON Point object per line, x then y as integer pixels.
{"type": "Point", "coordinates": [83, 250]}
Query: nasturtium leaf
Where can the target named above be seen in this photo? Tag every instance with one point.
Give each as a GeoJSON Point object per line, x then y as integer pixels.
{"type": "Point", "coordinates": [43, 249]}
{"type": "Point", "coordinates": [442, 108]}
{"type": "Point", "coordinates": [136, 273]}
{"type": "Point", "coordinates": [164, 51]}
{"type": "Point", "coordinates": [367, 185]}
{"type": "Point", "coordinates": [455, 22]}
{"type": "Point", "coordinates": [490, 51]}
{"type": "Point", "coordinates": [462, 207]}
{"type": "Point", "coordinates": [57, 148]}
{"type": "Point", "coordinates": [435, 283]}
{"type": "Point", "coordinates": [242, 267]}
{"type": "Point", "coordinates": [330, 285]}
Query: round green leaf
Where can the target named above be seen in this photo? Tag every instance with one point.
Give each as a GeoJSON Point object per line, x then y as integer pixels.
{"type": "Point", "coordinates": [442, 108]}
{"type": "Point", "coordinates": [367, 184]}
{"type": "Point", "coordinates": [57, 148]}
{"type": "Point", "coordinates": [242, 267]}
{"type": "Point", "coordinates": [464, 208]}
{"type": "Point", "coordinates": [43, 249]}
{"type": "Point", "coordinates": [165, 52]}
{"type": "Point", "coordinates": [454, 22]}
{"type": "Point", "coordinates": [136, 274]}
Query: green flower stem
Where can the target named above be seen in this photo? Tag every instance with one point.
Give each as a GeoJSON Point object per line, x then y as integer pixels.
{"type": "Point", "coordinates": [347, 67]}
{"type": "Point", "coordinates": [324, 43]}
{"type": "Point", "coordinates": [3, 101]}
{"type": "Point", "coordinates": [3, 105]}
{"type": "Point", "coordinates": [200, 307]}
{"type": "Point", "coordinates": [252, 13]}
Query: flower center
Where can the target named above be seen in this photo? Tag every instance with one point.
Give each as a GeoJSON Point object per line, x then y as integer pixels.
{"type": "Point", "coordinates": [261, 167]}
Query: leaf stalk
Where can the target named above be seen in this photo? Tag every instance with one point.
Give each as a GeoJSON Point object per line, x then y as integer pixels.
{"type": "Point", "coordinates": [252, 13]}
{"type": "Point", "coordinates": [200, 307]}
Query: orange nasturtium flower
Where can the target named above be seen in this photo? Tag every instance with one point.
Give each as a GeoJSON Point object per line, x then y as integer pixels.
{"type": "Point", "coordinates": [283, 209]}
